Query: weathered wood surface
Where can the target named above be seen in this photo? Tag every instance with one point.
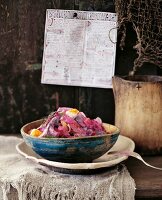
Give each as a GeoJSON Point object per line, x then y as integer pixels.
{"type": "Point", "coordinates": [22, 97]}
{"type": "Point", "coordinates": [148, 181]}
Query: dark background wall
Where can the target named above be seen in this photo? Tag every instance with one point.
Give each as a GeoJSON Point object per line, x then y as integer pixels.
{"type": "Point", "coordinates": [22, 97]}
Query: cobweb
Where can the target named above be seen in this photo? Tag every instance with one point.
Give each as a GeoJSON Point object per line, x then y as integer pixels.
{"type": "Point", "coordinates": [146, 18]}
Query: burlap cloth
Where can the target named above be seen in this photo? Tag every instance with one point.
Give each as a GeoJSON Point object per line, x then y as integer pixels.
{"type": "Point", "coordinates": [24, 180]}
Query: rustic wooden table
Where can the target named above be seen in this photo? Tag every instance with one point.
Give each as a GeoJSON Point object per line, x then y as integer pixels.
{"type": "Point", "coordinates": [148, 180]}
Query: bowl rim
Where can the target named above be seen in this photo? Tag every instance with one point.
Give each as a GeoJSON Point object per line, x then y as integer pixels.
{"type": "Point", "coordinates": [116, 132]}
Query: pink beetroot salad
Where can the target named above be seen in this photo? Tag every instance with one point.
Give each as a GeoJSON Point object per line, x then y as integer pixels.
{"type": "Point", "coordinates": [67, 123]}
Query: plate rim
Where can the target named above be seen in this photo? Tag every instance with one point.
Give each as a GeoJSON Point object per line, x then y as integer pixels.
{"type": "Point", "coordinates": [77, 166]}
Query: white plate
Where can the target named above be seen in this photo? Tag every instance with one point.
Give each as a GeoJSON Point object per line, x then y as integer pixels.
{"type": "Point", "coordinates": [123, 144]}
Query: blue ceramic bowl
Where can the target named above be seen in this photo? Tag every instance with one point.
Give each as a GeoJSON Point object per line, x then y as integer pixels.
{"type": "Point", "coordinates": [73, 150]}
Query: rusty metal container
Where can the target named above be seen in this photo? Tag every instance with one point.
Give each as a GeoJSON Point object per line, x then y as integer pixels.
{"type": "Point", "coordinates": [138, 111]}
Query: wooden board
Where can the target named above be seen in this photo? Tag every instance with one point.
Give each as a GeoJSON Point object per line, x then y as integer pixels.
{"type": "Point", "coordinates": [22, 97]}
{"type": "Point", "coordinates": [148, 181]}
